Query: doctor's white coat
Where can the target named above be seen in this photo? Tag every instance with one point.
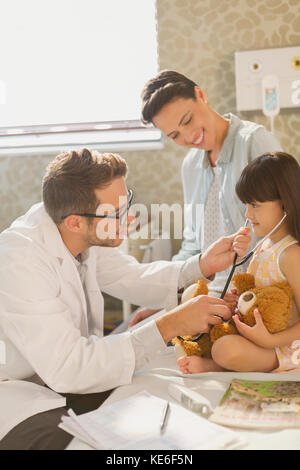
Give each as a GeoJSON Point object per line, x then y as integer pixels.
{"type": "Point", "coordinates": [43, 316]}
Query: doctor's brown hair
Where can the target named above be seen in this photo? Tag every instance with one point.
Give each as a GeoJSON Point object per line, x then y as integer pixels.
{"type": "Point", "coordinates": [273, 176]}
{"type": "Point", "coordinates": [72, 177]}
{"type": "Point", "coordinates": [162, 89]}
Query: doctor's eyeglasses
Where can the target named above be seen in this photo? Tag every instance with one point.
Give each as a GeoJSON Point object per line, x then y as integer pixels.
{"type": "Point", "coordinates": [121, 216]}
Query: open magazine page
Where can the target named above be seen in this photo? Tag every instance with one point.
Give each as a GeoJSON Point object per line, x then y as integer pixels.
{"type": "Point", "coordinates": [258, 404]}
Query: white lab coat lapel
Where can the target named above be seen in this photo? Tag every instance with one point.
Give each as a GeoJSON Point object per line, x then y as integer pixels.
{"type": "Point", "coordinates": [95, 297]}
{"type": "Point", "coordinates": [71, 276]}
{"type": "Point", "coordinates": [68, 271]}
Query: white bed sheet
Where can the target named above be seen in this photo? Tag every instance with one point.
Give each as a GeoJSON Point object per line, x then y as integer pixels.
{"type": "Point", "coordinates": [156, 377]}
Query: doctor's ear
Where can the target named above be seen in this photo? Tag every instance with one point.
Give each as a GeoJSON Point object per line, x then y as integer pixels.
{"type": "Point", "coordinates": [73, 223]}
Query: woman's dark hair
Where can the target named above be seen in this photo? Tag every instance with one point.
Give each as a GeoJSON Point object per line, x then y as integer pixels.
{"type": "Point", "coordinates": [270, 177]}
{"type": "Point", "coordinates": [162, 89]}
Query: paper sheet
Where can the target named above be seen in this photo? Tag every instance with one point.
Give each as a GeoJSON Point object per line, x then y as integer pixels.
{"type": "Point", "coordinates": [134, 423]}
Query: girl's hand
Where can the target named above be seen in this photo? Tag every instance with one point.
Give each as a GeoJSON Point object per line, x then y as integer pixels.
{"type": "Point", "coordinates": [258, 333]}
{"type": "Point", "coordinates": [220, 255]}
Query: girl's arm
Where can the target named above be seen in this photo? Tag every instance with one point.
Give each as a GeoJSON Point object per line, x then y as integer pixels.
{"type": "Point", "coordinates": [289, 263]}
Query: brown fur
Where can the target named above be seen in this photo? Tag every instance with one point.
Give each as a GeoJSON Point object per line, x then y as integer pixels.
{"type": "Point", "coordinates": [273, 302]}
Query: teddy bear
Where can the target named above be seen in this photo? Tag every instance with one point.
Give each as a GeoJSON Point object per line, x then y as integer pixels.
{"type": "Point", "coordinates": [274, 303]}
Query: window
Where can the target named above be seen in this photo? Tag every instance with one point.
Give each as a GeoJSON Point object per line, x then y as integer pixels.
{"type": "Point", "coordinates": [72, 72]}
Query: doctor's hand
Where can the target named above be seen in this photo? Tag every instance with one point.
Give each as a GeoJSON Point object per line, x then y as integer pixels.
{"type": "Point", "coordinates": [219, 256]}
{"type": "Point", "coordinates": [193, 317]}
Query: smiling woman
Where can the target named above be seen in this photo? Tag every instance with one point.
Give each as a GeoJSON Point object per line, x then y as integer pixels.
{"type": "Point", "coordinates": [220, 147]}
{"type": "Point", "coordinates": [192, 123]}
{"type": "Point", "coordinates": [179, 108]}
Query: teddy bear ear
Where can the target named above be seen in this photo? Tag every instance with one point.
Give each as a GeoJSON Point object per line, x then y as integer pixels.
{"type": "Point", "coordinates": [202, 288]}
{"type": "Point", "coordinates": [243, 282]}
{"type": "Point", "coordinates": [198, 288]}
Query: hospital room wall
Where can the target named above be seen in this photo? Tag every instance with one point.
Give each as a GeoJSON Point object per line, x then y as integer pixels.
{"type": "Point", "coordinates": [197, 38]}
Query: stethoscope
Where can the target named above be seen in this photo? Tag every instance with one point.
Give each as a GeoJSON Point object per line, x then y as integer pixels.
{"type": "Point", "coordinates": [235, 265]}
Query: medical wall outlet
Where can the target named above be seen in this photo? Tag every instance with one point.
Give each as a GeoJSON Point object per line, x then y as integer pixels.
{"type": "Point", "coordinates": [251, 67]}
{"type": "Point", "coordinates": [270, 95]}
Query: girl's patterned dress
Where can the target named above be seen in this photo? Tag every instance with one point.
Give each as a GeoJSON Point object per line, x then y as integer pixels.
{"type": "Point", "coordinates": [265, 268]}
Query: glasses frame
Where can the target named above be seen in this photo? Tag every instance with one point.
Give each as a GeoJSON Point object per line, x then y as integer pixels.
{"type": "Point", "coordinates": [108, 216]}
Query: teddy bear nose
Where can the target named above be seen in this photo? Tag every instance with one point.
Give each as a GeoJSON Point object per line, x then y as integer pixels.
{"type": "Point", "coordinates": [246, 300]}
{"type": "Point", "coordinates": [248, 297]}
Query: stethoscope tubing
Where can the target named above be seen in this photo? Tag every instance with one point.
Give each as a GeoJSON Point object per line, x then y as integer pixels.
{"type": "Point", "coordinates": [235, 265]}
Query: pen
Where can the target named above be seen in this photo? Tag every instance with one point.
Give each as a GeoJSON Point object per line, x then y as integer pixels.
{"type": "Point", "coordinates": [164, 416]}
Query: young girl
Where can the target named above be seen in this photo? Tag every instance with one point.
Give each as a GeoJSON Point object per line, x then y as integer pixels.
{"type": "Point", "coordinates": [270, 188]}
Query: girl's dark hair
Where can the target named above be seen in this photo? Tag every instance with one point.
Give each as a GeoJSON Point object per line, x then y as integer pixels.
{"type": "Point", "coordinates": [162, 89]}
{"type": "Point", "coordinates": [270, 177]}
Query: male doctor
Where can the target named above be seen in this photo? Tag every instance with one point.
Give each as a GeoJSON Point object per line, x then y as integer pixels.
{"type": "Point", "coordinates": [55, 262]}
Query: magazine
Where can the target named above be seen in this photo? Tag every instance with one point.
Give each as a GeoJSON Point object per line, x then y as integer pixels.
{"type": "Point", "coordinates": [259, 404]}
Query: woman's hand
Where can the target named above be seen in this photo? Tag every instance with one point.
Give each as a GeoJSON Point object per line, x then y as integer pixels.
{"type": "Point", "coordinates": [258, 333]}
{"type": "Point", "coordinates": [141, 315]}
